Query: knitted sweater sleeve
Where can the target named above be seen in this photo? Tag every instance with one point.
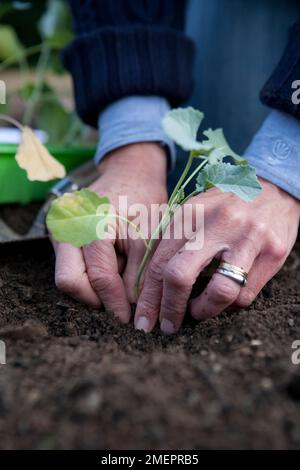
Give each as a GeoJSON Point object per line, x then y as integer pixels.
{"type": "Point", "coordinates": [128, 47]}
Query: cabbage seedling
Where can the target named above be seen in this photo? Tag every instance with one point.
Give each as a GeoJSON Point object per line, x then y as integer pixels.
{"type": "Point", "coordinates": [73, 218]}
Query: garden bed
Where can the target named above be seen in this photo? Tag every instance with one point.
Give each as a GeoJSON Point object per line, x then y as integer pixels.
{"type": "Point", "coordinates": [77, 379]}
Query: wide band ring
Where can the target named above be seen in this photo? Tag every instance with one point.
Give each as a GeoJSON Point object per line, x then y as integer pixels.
{"type": "Point", "coordinates": [233, 272]}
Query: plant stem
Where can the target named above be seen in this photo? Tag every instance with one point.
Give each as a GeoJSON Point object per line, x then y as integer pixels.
{"type": "Point", "coordinates": [181, 184]}
{"type": "Point", "coordinates": [161, 225]}
{"type": "Point", "coordinates": [181, 179]}
{"type": "Point", "coordinates": [11, 120]}
{"type": "Point", "coordinates": [199, 168]}
{"type": "Point", "coordinates": [150, 246]}
{"type": "Point", "coordinates": [136, 227]}
{"type": "Point", "coordinates": [20, 57]}
{"type": "Point", "coordinates": [194, 193]}
{"type": "Point", "coordinates": [40, 79]}
{"type": "Point", "coordinates": [73, 132]}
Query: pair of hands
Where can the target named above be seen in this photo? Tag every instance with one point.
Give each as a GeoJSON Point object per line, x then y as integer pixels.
{"type": "Point", "coordinates": [255, 236]}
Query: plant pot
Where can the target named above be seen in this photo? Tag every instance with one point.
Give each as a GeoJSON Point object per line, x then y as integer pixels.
{"type": "Point", "coordinates": [14, 185]}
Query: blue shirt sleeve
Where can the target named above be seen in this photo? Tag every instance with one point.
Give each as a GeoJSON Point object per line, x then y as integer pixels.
{"type": "Point", "coordinates": [275, 152]}
{"type": "Point", "coordinates": [134, 119]}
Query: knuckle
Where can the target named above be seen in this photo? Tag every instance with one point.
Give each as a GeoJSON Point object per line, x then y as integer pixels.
{"type": "Point", "coordinates": [231, 216]}
{"type": "Point", "coordinates": [276, 248]}
{"type": "Point", "coordinates": [225, 292]}
{"type": "Point", "coordinates": [99, 281]}
{"type": "Point", "coordinates": [245, 299]}
{"type": "Point", "coordinates": [226, 212]}
{"type": "Point", "coordinates": [259, 230]}
{"type": "Point", "coordinates": [155, 271]}
{"type": "Point", "coordinates": [176, 277]}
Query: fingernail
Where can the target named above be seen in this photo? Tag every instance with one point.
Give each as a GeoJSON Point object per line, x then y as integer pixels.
{"type": "Point", "coordinates": [167, 327]}
{"type": "Point", "coordinates": [142, 323]}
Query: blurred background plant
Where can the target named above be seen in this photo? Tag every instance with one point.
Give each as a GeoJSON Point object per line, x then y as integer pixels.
{"type": "Point", "coordinates": [32, 35]}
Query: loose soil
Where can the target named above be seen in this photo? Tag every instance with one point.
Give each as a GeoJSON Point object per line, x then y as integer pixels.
{"type": "Point", "coordinates": [76, 379]}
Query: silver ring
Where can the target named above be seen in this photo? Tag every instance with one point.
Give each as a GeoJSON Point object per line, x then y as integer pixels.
{"type": "Point", "coordinates": [234, 272]}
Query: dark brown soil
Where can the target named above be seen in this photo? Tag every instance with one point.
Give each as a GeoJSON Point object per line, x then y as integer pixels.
{"type": "Point", "coordinates": [76, 379]}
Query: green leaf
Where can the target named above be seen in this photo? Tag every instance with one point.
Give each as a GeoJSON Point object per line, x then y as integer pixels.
{"type": "Point", "coordinates": [27, 90]}
{"type": "Point", "coordinates": [182, 125]}
{"type": "Point", "coordinates": [73, 218]}
{"type": "Point", "coordinates": [222, 149]}
{"type": "Point", "coordinates": [240, 180]}
{"type": "Point", "coordinates": [60, 39]}
{"type": "Point", "coordinates": [55, 20]}
{"type": "Point", "coordinates": [215, 156]}
{"type": "Point", "coordinates": [5, 8]}
{"type": "Point", "coordinates": [9, 43]}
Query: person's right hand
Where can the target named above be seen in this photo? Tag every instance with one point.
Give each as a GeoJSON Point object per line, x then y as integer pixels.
{"type": "Point", "coordinates": [104, 272]}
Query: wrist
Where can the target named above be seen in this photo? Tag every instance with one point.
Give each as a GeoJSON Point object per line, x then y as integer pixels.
{"type": "Point", "coordinates": [272, 191]}
{"type": "Point", "coordinates": [133, 120]}
{"type": "Point", "coordinates": [146, 160]}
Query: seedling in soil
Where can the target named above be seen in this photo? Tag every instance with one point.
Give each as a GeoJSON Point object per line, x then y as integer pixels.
{"type": "Point", "coordinates": [73, 218]}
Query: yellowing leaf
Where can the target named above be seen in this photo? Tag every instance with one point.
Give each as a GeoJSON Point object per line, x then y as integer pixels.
{"type": "Point", "coordinates": [33, 157]}
{"type": "Point", "coordinates": [75, 217]}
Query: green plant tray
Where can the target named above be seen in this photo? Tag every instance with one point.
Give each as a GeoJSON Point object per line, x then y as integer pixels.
{"type": "Point", "coordinates": [14, 185]}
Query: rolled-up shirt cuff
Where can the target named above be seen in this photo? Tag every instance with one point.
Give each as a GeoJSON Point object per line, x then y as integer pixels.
{"type": "Point", "coordinates": [131, 120]}
{"type": "Point", "coordinates": [275, 152]}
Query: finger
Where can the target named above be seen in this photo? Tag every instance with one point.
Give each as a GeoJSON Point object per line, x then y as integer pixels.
{"type": "Point", "coordinates": [179, 277]}
{"type": "Point", "coordinates": [71, 276]}
{"type": "Point", "coordinates": [222, 291]}
{"type": "Point", "coordinates": [149, 304]}
{"type": "Point", "coordinates": [149, 301]}
{"type": "Point", "coordinates": [103, 273]}
{"type": "Point", "coordinates": [121, 263]}
{"type": "Point", "coordinates": [134, 259]}
{"type": "Point", "coordinates": [264, 268]}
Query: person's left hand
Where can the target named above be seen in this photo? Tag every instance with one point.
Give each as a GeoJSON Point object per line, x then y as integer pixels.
{"type": "Point", "coordinates": [256, 236]}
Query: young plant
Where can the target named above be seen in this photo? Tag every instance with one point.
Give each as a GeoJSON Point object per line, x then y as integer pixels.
{"type": "Point", "coordinates": [42, 106]}
{"type": "Point", "coordinates": [41, 103]}
{"type": "Point", "coordinates": [73, 218]}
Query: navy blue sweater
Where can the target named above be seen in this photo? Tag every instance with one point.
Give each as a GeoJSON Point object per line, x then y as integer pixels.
{"type": "Point", "coordinates": [138, 47]}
